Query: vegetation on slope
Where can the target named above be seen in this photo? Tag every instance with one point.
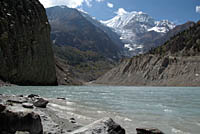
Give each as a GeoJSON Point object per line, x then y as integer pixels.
{"type": "Point", "coordinates": [186, 43]}
{"type": "Point", "coordinates": [85, 65]}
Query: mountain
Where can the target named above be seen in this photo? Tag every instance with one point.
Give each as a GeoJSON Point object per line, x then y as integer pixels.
{"type": "Point", "coordinates": [155, 41]}
{"type": "Point", "coordinates": [81, 46]}
{"type": "Point", "coordinates": [26, 55]}
{"type": "Point", "coordinates": [135, 28]}
{"type": "Point", "coordinates": [70, 28]}
{"type": "Point", "coordinates": [175, 63]}
{"type": "Point", "coordinates": [112, 35]}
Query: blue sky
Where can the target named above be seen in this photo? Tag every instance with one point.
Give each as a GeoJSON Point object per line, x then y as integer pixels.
{"type": "Point", "coordinates": [178, 11]}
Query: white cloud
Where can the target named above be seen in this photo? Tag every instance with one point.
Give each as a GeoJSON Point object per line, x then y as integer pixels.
{"type": "Point", "coordinates": [110, 5]}
{"type": "Point", "coordinates": [69, 3]}
{"type": "Point", "coordinates": [99, 0]}
{"type": "Point", "coordinates": [121, 11]}
{"type": "Point", "coordinates": [198, 9]}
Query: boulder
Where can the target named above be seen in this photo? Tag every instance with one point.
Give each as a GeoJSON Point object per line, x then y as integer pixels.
{"type": "Point", "coordinates": [148, 131]}
{"type": "Point", "coordinates": [102, 126]}
{"type": "Point", "coordinates": [41, 103]}
{"type": "Point", "coordinates": [27, 105]}
{"type": "Point", "coordinates": [11, 122]}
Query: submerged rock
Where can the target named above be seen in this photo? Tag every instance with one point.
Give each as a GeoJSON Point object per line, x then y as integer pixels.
{"type": "Point", "coordinates": [61, 98]}
{"type": "Point", "coordinates": [102, 126]}
{"type": "Point", "coordinates": [148, 131]}
{"type": "Point", "coordinates": [11, 122]}
{"type": "Point", "coordinates": [33, 95]}
{"type": "Point", "coordinates": [41, 103]}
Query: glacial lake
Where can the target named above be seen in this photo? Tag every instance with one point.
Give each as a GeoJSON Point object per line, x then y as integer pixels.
{"type": "Point", "coordinates": [173, 110]}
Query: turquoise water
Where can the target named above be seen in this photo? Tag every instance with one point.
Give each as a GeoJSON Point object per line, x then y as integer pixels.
{"type": "Point", "coordinates": [174, 110]}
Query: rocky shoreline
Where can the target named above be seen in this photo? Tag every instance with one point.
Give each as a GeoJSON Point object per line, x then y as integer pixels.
{"type": "Point", "coordinates": [33, 114]}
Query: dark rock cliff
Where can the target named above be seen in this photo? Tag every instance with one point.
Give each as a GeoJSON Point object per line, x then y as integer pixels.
{"type": "Point", "coordinates": [176, 63]}
{"type": "Point", "coordinates": [26, 56]}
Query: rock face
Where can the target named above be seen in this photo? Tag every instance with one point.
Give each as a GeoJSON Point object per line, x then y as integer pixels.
{"type": "Point", "coordinates": [26, 56]}
{"type": "Point", "coordinates": [20, 121]}
{"type": "Point", "coordinates": [176, 63]}
{"type": "Point", "coordinates": [103, 126]}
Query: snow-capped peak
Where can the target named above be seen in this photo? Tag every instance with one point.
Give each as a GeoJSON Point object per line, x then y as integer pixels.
{"type": "Point", "coordinates": [127, 18]}
{"type": "Point", "coordinates": [131, 26]}
{"type": "Point", "coordinates": [136, 20]}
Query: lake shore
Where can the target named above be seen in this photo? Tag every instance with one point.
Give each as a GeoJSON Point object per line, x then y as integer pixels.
{"type": "Point", "coordinates": [34, 114]}
{"type": "Point", "coordinates": [52, 122]}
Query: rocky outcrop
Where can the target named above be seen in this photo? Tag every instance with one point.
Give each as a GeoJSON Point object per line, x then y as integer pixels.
{"type": "Point", "coordinates": [102, 126]}
{"type": "Point", "coordinates": [26, 56]}
{"type": "Point", "coordinates": [176, 63]}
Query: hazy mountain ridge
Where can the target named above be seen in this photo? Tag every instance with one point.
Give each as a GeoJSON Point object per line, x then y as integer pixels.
{"type": "Point", "coordinates": [176, 63]}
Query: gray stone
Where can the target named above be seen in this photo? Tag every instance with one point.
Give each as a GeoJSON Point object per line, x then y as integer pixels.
{"type": "Point", "coordinates": [41, 103]}
{"type": "Point", "coordinates": [102, 126]}
{"type": "Point", "coordinates": [148, 131]}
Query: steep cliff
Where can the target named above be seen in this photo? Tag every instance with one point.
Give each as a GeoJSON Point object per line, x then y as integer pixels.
{"type": "Point", "coordinates": [26, 56]}
{"type": "Point", "coordinates": [176, 63]}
